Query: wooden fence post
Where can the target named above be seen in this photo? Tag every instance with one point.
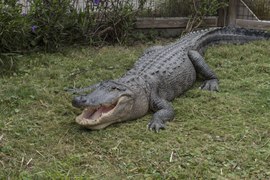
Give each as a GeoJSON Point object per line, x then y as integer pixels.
{"type": "Point", "coordinates": [232, 14]}
{"type": "Point", "coordinates": [222, 17]}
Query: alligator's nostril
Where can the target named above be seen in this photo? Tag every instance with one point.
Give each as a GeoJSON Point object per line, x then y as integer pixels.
{"type": "Point", "coordinates": [78, 101]}
{"type": "Point", "coordinates": [83, 99]}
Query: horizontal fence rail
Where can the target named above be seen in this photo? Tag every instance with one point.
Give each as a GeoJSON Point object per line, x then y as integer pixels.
{"type": "Point", "coordinates": [253, 24]}
{"type": "Point", "coordinates": [170, 22]}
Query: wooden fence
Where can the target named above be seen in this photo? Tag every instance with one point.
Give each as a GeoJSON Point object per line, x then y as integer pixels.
{"type": "Point", "coordinates": [236, 14]}
{"type": "Point", "coordinates": [170, 22]}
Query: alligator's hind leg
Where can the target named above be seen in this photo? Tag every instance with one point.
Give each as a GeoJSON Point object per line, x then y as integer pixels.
{"type": "Point", "coordinates": [163, 112]}
{"type": "Point", "coordinates": [211, 80]}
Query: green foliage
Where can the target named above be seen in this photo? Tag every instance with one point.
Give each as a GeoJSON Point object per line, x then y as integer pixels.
{"type": "Point", "coordinates": [118, 21]}
{"type": "Point", "coordinates": [50, 25]}
{"type": "Point", "coordinates": [176, 8]}
{"type": "Point", "coordinates": [14, 34]}
{"type": "Point", "coordinates": [181, 8]}
{"type": "Point", "coordinates": [14, 31]}
{"type": "Point", "coordinates": [201, 9]}
{"type": "Point", "coordinates": [59, 23]}
{"type": "Point", "coordinates": [208, 7]}
{"type": "Point", "coordinates": [53, 24]}
{"type": "Point", "coordinates": [165, 8]}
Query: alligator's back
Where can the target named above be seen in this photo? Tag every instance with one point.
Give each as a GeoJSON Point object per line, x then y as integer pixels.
{"type": "Point", "coordinates": [169, 69]}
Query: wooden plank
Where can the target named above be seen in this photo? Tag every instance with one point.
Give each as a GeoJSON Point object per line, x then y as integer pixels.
{"type": "Point", "coordinates": [169, 22]}
{"type": "Point", "coordinates": [253, 24]}
{"type": "Point", "coordinates": [232, 12]}
{"type": "Point", "coordinates": [222, 15]}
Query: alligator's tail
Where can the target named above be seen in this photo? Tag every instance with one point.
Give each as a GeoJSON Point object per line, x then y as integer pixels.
{"type": "Point", "coordinates": [230, 35]}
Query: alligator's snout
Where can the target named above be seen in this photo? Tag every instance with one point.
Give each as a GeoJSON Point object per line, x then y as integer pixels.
{"type": "Point", "coordinates": [79, 101]}
{"type": "Point", "coordinates": [111, 102]}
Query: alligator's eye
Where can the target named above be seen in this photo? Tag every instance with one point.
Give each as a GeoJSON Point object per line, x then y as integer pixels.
{"type": "Point", "coordinates": [118, 88]}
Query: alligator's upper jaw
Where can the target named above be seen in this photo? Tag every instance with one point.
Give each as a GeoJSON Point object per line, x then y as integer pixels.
{"type": "Point", "coordinates": [99, 117]}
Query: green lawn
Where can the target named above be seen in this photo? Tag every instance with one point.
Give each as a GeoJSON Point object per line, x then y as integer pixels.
{"type": "Point", "coordinates": [224, 135]}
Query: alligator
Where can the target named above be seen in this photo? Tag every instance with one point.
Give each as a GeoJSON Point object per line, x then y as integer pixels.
{"type": "Point", "coordinates": [161, 74]}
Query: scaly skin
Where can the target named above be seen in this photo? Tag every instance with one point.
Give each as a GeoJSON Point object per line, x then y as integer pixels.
{"type": "Point", "coordinates": [161, 74]}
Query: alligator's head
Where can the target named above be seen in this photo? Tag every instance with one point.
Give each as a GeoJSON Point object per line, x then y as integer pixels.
{"type": "Point", "coordinates": [109, 103]}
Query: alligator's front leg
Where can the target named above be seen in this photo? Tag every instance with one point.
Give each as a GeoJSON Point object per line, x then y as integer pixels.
{"type": "Point", "coordinates": [211, 82]}
{"type": "Point", "coordinates": [163, 112]}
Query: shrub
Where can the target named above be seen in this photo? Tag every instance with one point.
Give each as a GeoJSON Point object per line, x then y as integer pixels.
{"type": "Point", "coordinates": [50, 25]}
{"type": "Point", "coordinates": [175, 8]}
{"type": "Point", "coordinates": [14, 34]}
{"type": "Point", "coordinates": [119, 18]}
{"type": "Point", "coordinates": [14, 31]}
{"type": "Point", "coordinates": [201, 9]}
{"type": "Point", "coordinates": [59, 23]}
{"type": "Point", "coordinates": [179, 8]}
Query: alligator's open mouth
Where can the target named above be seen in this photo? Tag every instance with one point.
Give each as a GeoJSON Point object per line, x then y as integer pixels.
{"type": "Point", "coordinates": [90, 114]}
{"type": "Point", "coordinates": [101, 116]}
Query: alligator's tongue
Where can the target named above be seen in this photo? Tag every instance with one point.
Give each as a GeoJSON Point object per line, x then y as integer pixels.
{"type": "Point", "coordinates": [98, 113]}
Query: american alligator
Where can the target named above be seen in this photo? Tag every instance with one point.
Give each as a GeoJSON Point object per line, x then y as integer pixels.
{"type": "Point", "coordinates": [161, 74]}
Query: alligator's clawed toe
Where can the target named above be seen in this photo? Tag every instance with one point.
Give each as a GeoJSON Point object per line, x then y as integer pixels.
{"type": "Point", "coordinates": [156, 126]}
{"type": "Point", "coordinates": [210, 85]}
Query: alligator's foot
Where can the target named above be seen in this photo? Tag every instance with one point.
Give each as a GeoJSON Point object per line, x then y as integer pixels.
{"type": "Point", "coordinates": [210, 85]}
{"type": "Point", "coordinates": [156, 125]}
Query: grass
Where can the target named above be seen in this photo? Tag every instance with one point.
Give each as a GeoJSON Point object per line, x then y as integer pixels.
{"type": "Point", "coordinates": [223, 135]}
